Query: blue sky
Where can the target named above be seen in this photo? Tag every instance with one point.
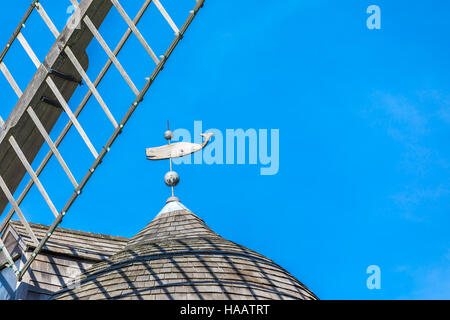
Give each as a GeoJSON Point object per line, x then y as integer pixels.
{"type": "Point", "coordinates": [363, 116]}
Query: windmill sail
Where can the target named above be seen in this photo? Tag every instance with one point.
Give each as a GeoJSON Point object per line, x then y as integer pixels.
{"type": "Point", "coordinates": [47, 96]}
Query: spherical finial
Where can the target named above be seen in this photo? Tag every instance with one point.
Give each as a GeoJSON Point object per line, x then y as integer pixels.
{"type": "Point", "coordinates": [171, 178]}
{"type": "Point", "coordinates": [168, 135]}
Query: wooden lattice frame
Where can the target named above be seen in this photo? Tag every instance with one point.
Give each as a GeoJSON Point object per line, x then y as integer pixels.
{"type": "Point", "coordinates": [92, 85]}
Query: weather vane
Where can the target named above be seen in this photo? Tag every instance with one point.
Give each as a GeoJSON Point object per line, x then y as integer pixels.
{"type": "Point", "coordinates": [175, 150]}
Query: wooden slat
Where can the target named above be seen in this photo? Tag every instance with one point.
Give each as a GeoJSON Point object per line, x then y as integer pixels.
{"type": "Point", "coordinates": [110, 54]}
{"type": "Point", "coordinates": [74, 120]}
{"type": "Point", "coordinates": [28, 49]}
{"type": "Point", "coordinates": [49, 141]}
{"type": "Point", "coordinates": [108, 51]}
{"type": "Point", "coordinates": [24, 221]}
{"type": "Point", "coordinates": [135, 30]}
{"type": "Point", "coordinates": [47, 19]}
{"type": "Point", "coordinates": [33, 175]}
{"type": "Point", "coordinates": [91, 86]}
{"type": "Point", "coordinates": [17, 30]}
{"type": "Point", "coordinates": [10, 79]}
{"type": "Point", "coordinates": [8, 256]}
{"type": "Point", "coordinates": [166, 16]}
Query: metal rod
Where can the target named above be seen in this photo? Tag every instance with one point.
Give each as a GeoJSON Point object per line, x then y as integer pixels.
{"type": "Point", "coordinates": [55, 151]}
{"type": "Point", "coordinates": [91, 86]}
{"type": "Point", "coordinates": [33, 175]}
{"type": "Point", "coordinates": [72, 117]}
{"type": "Point", "coordinates": [17, 30]}
{"type": "Point", "coordinates": [135, 30]}
{"type": "Point", "coordinates": [64, 76]}
{"type": "Point", "coordinates": [76, 113]}
{"type": "Point", "coordinates": [14, 204]}
{"type": "Point", "coordinates": [170, 159]}
{"type": "Point", "coordinates": [51, 102]}
{"type": "Point", "coordinates": [10, 79]}
{"type": "Point", "coordinates": [166, 16]}
{"type": "Point", "coordinates": [112, 139]}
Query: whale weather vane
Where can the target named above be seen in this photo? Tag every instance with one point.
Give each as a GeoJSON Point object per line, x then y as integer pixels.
{"type": "Point", "coordinates": [175, 150]}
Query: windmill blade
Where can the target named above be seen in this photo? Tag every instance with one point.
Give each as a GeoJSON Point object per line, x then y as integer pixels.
{"type": "Point", "coordinates": [46, 99]}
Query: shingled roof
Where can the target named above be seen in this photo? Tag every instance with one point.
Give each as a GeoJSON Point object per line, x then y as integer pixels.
{"type": "Point", "coordinates": [79, 244]}
{"type": "Point", "coordinates": [177, 256]}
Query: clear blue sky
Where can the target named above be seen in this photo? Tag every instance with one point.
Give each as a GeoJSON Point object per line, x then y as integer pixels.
{"type": "Point", "coordinates": [364, 121]}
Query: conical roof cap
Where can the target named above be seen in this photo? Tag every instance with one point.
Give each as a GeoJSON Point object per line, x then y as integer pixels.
{"type": "Point", "coordinates": [174, 221]}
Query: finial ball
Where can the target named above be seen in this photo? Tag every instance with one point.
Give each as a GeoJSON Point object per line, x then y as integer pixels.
{"type": "Point", "coordinates": [168, 135]}
{"type": "Point", "coordinates": [171, 178]}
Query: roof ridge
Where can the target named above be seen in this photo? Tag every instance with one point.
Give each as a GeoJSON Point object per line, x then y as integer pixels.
{"type": "Point", "coordinates": [77, 232]}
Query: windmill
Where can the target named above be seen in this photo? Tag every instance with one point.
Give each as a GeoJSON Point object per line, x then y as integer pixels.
{"type": "Point", "coordinates": [47, 97]}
